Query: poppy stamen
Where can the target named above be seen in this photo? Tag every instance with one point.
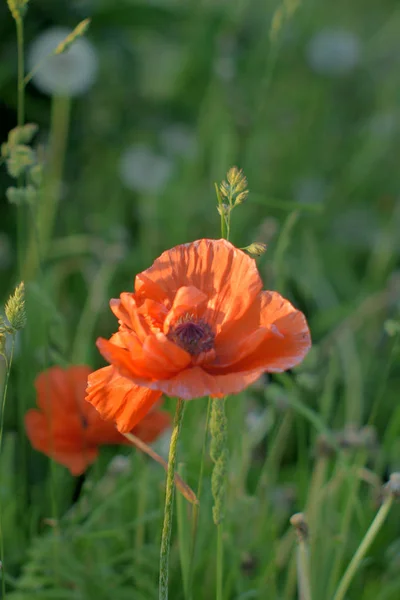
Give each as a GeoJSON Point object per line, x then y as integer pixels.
{"type": "Point", "coordinates": [193, 335]}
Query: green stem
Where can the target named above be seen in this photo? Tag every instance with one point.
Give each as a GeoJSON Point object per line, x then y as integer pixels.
{"type": "Point", "coordinates": [196, 507]}
{"type": "Point", "coordinates": [3, 406]}
{"type": "Point", "coordinates": [363, 548]}
{"type": "Point", "coordinates": [219, 455]}
{"type": "Point", "coordinates": [169, 499]}
{"type": "Point", "coordinates": [183, 536]}
{"type": "Point", "coordinates": [19, 23]}
{"type": "Point", "coordinates": [220, 563]}
{"type": "Point", "coordinates": [222, 214]}
{"type": "Point", "coordinates": [303, 571]}
{"type": "Point", "coordinates": [21, 67]}
{"type": "Point", "coordinates": [50, 196]}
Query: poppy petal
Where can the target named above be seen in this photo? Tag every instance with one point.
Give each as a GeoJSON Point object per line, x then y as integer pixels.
{"type": "Point", "coordinates": [188, 299]}
{"type": "Point", "coordinates": [116, 399]}
{"type": "Point", "coordinates": [228, 276]}
{"type": "Point", "coordinates": [65, 448]}
{"type": "Point", "coordinates": [150, 427]}
{"type": "Point", "coordinates": [287, 338]}
{"type": "Point", "coordinates": [127, 314]}
{"type": "Point", "coordinates": [196, 383]}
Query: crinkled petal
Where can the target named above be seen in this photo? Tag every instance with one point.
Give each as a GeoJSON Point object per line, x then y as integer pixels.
{"type": "Point", "coordinates": [227, 276]}
{"type": "Point", "coordinates": [286, 341]}
{"type": "Point", "coordinates": [188, 300]}
{"type": "Point", "coordinates": [164, 354]}
{"type": "Point", "coordinates": [116, 399]}
{"type": "Point", "coordinates": [157, 358]}
{"type": "Point", "coordinates": [196, 383]}
{"type": "Point", "coordinates": [130, 315]}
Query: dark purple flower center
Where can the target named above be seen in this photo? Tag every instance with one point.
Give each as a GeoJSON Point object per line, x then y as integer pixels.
{"type": "Point", "coordinates": [193, 335]}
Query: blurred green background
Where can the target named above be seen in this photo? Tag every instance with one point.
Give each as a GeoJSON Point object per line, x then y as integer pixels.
{"type": "Point", "coordinates": [304, 97]}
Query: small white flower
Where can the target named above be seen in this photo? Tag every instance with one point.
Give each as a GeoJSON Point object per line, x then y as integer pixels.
{"type": "Point", "coordinates": [309, 190]}
{"type": "Point", "coordinates": [334, 52]}
{"type": "Point", "coordinates": [178, 140]}
{"type": "Point", "coordinates": [69, 74]}
{"type": "Point", "coordinates": [144, 171]}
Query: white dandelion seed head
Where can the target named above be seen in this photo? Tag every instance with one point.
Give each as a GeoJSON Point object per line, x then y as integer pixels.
{"type": "Point", "coordinates": [334, 52]}
{"type": "Point", "coordinates": [142, 170]}
{"type": "Point", "coordinates": [179, 140]}
{"type": "Point", "coordinates": [69, 74]}
{"type": "Point", "coordinates": [383, 125]}
{"type": "Point", "coordinates": [225, 62]}
{"type": "Point", "coordinates": [309, 190]}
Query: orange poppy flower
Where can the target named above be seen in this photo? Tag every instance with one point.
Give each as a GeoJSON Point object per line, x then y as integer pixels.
{"type": "Point", "coordinates": [198, 324]}
{"type": "Point", "coordinates": [69, 429]}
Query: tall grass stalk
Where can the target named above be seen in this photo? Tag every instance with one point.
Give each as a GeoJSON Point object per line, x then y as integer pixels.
{"type": "Point", "coordinates": [169, 502]}
{"type": "Point", "coordinates": [3, 406]}
{"type": "Point", "coordinates": [51, 191]}
{"type": "Point", "coordinates": [196, 507]}
{"type": "Point", "coordinates": [366, 542]}
{"type": "Point", "coordinates": [220, 563]}
{"type": "Point", "coordinates": [183, 537]}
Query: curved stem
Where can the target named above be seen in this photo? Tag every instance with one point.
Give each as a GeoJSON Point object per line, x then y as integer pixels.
{"type": "Point", "coordinates": [169, 502]}
{"type": "Point", "coordinates": [183, 487]}
{"type": "Point", "coordinates": [363, 548]}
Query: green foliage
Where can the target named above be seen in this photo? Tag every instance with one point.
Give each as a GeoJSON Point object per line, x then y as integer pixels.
{"type": "Point", "coordinates": [201, 87]}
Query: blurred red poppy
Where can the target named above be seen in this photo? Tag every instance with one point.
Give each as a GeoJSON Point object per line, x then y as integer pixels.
{"type": "Point", "coordinates": [69, 429]}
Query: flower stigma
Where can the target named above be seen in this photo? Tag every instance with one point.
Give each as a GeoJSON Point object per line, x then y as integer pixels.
{"type": "Point", "coordinates": [192, 334]}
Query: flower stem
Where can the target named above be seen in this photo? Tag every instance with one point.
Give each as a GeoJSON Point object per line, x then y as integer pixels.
{"type": "Point", "coordinates": [169, 502]}
{"type": "Point", "coordinates": [51, 191]}
{"type": "Point", "coordinates": [303, 570]}
{"type": "Point", "coordinates": [363, 548]}
{"type": "Point", "coordinates": [220, 563]}
{"type": "Point", "coordinates": [3, 406]}
{"type": "Point", "coordinates": [219, 455]}
{"type": "Point", "coordinates": [19, 24]}
{"type": "Point", "coordinates": [196, 507]}
{"type": "Point", "coordinates": [21, 85]}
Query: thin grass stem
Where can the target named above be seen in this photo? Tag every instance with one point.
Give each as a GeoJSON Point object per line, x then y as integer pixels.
{"type": "Point", "coordinates": [196, 507]}
{"type": "Point", "coordinates": [220, 563]}
{"type": "Point", "coordinates": [50, 196]}
{"type": "Point", "coordinates": [3, 406]}
{"type": "Point", "coordinates": [169, 502]}
{"type": "Point", "coordinates": [183, 537]}
{"type": "Point", "coordinates": [366, 542]}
